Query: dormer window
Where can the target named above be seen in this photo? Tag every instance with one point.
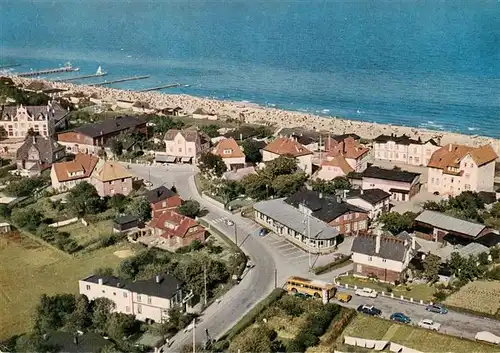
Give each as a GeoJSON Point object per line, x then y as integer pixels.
{"type": "Point", "coordinates": [227, 151]}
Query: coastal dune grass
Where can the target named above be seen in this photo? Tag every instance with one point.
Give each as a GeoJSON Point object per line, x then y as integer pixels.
{"type": "Point", "coordinates": [30, 270]}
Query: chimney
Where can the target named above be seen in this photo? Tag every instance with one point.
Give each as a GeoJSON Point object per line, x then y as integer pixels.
{"type": "Point", "coordinates": [118, 284]}
{"type": "Point", "coordinates": [320, 195]}
{"type": "Point", "coordinates": [157, 279]}
{"type": "Point", "coordinates": [450, 146]}
{"type": "Point", "coordinates": [34, 139]}
{"type": "Point", "coordinates": [75, 339]}
{"type": "Point", "coordinates": [361, 192]}
{"type": "Point", "coordinates": [100, 281]}
{"type": "Point", "coordinates": [377, 244]}
{"type": "Point", "coordinates": [413, 243]}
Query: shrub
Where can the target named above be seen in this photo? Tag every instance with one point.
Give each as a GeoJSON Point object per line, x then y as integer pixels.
{"type": "Point", "coordinates": [344, 318]}
{"type": "Point", "coordinates": [440, 295]}
{"type": "Point", "coordinates": [292, 306]}
{"type": "Point", "coordinates": [332, 265]}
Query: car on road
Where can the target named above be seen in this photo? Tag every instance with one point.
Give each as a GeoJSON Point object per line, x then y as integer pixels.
{"type": "Point", "coordinates": [366, 292]}
{"type": "Point", "coordinates": [148, 183]}
{"type": "Point", "coordinates": [343, 297]}
{"type": "Point", "coordinates": [189, 327]}
{"type": "Point", "coordinates": [400, 317]}
{"type": "Point", "coordinates": [429, 324]}
{"type": "Point", "coordinates": [369, 310]}
{"type": "Point", "coordinates": [436, 308]}
{"type": "Point", "coordinates": [263, 231]}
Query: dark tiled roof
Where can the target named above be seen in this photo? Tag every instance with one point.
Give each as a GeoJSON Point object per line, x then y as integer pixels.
{"type": "Point", "coordinates": [403, 140]}
{"type": "Point", "coordinates": [340, 138]}
{"type": "Point", "coordinates": [189, 134]}
{"type": "Point", "coordinates": [110, 126]}
{"type": "Point", "coordinates": [391, 247]}
{"type": "Point", "coordinates": [166, 288]}
{"type": "Point", "coordinates": [88, 342]}
{"type": "Point", "coordinates": [126, 219]}
{"type": "Point", "coordinates": [323, 207]}
{"type": "Point", "coordinates": [111, 281]}
{"type": "Point", "coordinates": [489, 240]}
{"type": "Point", "coordinates": [389, 174]}
{"type": "Point", "coordinates": [372, 196]}
{"type": "Point", "coordinates": [159, 194]}
{"type": "Point", "coordinates": [46, 147]}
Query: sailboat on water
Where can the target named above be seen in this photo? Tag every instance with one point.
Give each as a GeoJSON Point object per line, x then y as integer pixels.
{"type": "Point", "coordinates": [99, 72]}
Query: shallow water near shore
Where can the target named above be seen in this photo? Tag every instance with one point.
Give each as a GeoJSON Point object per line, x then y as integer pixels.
{"type": "Point", "coordinates": [424, 64]}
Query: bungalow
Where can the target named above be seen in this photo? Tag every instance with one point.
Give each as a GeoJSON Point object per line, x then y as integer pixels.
{"type": "Point", "coordinates": [162, 199]}
{"type": "Point", "coordinates": [438, 226]}
{"type": "Point", "coordinates": [284, 146]}
{"type": "Point", "coordinates": [385, 257]}
{"type": "Point", "coordinates": [111, 178]}
{"type": "Point", "coordinates": [65, 175]}
{"type": "Point", "coordinates": [296, 225]}
{"type": "Point", "coordinates": [375, 201]}
{"type": "Point", "coordinates": [401, 184]}
{"type": "Point", "coordinates": [231, 153]}
{"type": "Point", "coordinates": [178, 230]}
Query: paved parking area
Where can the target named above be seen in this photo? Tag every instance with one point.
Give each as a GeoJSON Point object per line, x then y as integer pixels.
{"type": "Point", "coordinates": [292, 253]}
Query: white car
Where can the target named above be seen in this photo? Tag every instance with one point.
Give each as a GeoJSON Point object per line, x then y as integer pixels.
{"type": "Point", "coordinates": [429, 324]}
{"type": "Point", "coordinates": [366, 292]}
{"type": "Point", "coordinates": [189, 327]}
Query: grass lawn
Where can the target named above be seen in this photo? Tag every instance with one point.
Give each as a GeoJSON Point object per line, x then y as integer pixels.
{"type": "Point", "coordinates": [481, 296]}
{"type": "Point", "coordinates": [85, 235]}
{"type": "Point", "coordinates": [30, 270]}
{"type": "Point", "coordinates": [412, 337]}
{"type": "Point", "coordinates": [416, 291]}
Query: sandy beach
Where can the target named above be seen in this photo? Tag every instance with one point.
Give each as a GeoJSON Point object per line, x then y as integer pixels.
{"type": "Point", "coordinates": [256, 114]}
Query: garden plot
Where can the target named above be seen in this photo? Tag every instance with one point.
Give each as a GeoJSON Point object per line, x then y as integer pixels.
{"type": "Point", "coordinates": [480, 296]}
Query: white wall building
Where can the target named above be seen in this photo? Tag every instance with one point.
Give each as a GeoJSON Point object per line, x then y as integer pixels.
{"type": "Point", "coordinates": [403, 149]}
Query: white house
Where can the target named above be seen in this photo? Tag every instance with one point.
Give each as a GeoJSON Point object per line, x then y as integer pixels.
{"type": "Point", "coordinates": [403, 149]}
{"type": "Point", "coordinates": [402, 185]}
{"type": "Point", "coordinates": [375, 201]}
{"type": "Point", "coordinates": [185, 145]}
{"type": "Point", "coordinates": [149, 300]}
{"type": "Point", "coordinates": [284, 146]}
{"type": "Point", "coordinates": [231, 153]}
{"type": "Point", "coordinates": [456, 168]}
{"type": "Point", "coordinates": [385, 257]}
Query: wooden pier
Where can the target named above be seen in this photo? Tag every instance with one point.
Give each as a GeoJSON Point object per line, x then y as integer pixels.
{"type": "Point", "coordinates": [8, 66]}
{"type": "Point", "coordinates": [157, 88]}
{"type": "Point", "coordinates": [48, 71]}
{"type": "Point", "coordinates": [134, 78]}
{"type": "Point", "coordinates": [80, 77]}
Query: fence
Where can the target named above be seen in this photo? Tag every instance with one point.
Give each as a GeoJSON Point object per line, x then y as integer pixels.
{"type": "Point", "coordinates": [64, 223]}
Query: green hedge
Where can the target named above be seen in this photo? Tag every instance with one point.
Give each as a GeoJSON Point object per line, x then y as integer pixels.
{"type": "Point", "coordinates": [331, 265]}
{"type": "Point", "coordinates": [495, 316]}
{"type": "Point", "coordinates": [252, 315]}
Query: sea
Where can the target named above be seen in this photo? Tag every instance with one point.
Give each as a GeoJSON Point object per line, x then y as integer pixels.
{"type": "Point", "coordinates": [422, 63]}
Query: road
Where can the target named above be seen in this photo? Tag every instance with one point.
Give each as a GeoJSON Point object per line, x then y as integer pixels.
{"type": "Point", "coordinates": [270, 253]}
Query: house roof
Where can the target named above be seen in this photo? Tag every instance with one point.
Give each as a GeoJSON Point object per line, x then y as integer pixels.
{"type": "Point", "coordinates": [51, 110]}
{"type": "Point", "coordinates": [372, 196]}
{"type": "Point", "coordinates": [403, 140]}
{"type": "Point", "coordinates": [110, 171]}
{"type": "Point", "coordinates": [287, 146]}
{"type": "Point", "coordinates": [126, 219]}
{"type": "Point", "coordinates": [472, 249]}
{"type": "Point", "coordinates": [88, 342]}
{"type": "Point", "coordinates": [340, 138]}
{"type": "Point", "coordinates": [164, 288]}
{"type": "Point", "coordinates": [294, 219]}
{"type": "Point", "coordinates": [46, 147]}
{"type": "Point", "coordinates": [110, 126]}
{"type": "Point", "coordinates": [391, 247]}
{"type": "Point", "coordinates": [451, 155]}
{"type": "Point", "coordinates": [338, 161]}
{"type": "Point", "coordinates": [489, 240]}
{"type": "Point", "coordinates": [449, 223]}
{"type": "Point", "coordinates": [82, 162]}
{"type": "Point", "coordinates": [189, 135]}
{"type": "Point", "coordinates": [228, 144]}
{"type": "Point", "coordinates": [389, 174]}
{"type": "Point", "coordinates": [348, 147]}
{"type": "Point", "coordinates": [159, 194]}
{"type": "Point", "coordinates": [324, 207]}
{"type": "Point", "coordinates": [173, 224]}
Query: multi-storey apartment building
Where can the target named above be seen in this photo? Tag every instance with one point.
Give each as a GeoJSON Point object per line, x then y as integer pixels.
{"type": "Point", "coordinates": [456, 168]}
{"type": "Point", "coordinates": [403, 149]}
{"type": "Point", "coordinates": [149, 300]}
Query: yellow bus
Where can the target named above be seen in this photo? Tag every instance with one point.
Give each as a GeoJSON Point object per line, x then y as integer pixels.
{"type": "Point", "coordinates": [313, 287]}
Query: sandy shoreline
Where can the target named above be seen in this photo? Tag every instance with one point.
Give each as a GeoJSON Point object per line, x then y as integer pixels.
{"type": "Point", "coordinates": [254, 113]}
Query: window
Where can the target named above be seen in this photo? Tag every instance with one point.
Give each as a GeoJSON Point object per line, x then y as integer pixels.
{"type": "Point", "coordinates": [139, 309]}
{"type": "Point", "coordinates": [125, 294]}
{"type": "Point", "coordinates": [138, 297]}
{"type": "Point", "coordinates": [180, 149]}
{"type": "Point", "coordinates": [228, 151]}
{"type": "Point", "coordinates": [149, 300]}
{"type": "Point", "coordinates": [87, 287]}
{"type": "Point", "coordinates": [127, 309]}
{"type": "Point", "coordinates": [384, 260]}
{"type": "Point", "coordinates": [189, 150]}
{"type": "Point", "coordinates": [123, 180]}
{"type": "Point", "coordinates": [369, 258]}
{"type": "Point", "coordinates": [164, 204]}
{"type": "Point", "coordinates": [347, 227]}
{"type": "Point", "coordinates": [432, 180]}
{"type": "Point", "coordinates": [114, 293]}
{"type": "Point", "coordinates": [103, 291]}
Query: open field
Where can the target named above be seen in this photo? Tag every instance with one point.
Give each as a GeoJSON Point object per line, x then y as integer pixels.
{"type": "Point", "coordinates": [420, 339]}
{"type": "Point", "coordinates": [87, 234]}
{"type": "Point", "coordinates": [30, 270]}
{"type": "Point", "coordinates": [415, 291]}
{"type": "Point", "coordinates": [481, 296]}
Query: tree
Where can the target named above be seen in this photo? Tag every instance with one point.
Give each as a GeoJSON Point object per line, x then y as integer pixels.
{"type": "Point", "coordinates": [286, 185]}
{"type": "Point", "coordinates": [27, 218]}
{"type": "Point", "coordinates": [80, 318]}
{"type": "Point", "coordinates": [120, 325]}
{"type": "Point", "coordinates": [101, 309]}
{"type": "Point", "coordinates": [431, 267]}
{"type": "Point", "coordinates": [211, 130]}
{"type": "Point", "coordinates": [23, 187]}
{"type": "Point", "coordinates": [52, 312]}
{"type": "Point", "coordinates": [163, 124]}
{"type": "Point", "coordinates": [396, 222]}
{"type": "Point", "coordinates": [252, 151]}
{"type": "Point", "coordinates": [104, 271]}
{"type": "Point", "coordinates": [455, 262]}
{"type": "Point", "coordinates": [280, 166]}
{"type": "Point", "coordinates": [256, 186]}
{"type": "Point", "coordinates": [83, 199]}
{"type": "Point", "coordinates": [141, 208]}
{"type": "Point", "coordinates": [118, 202]}
{"type": "Point", "coordinates": [116, 147]}
{"type": "Point", "coordinates": [229, 190]}
{"type": "Point", "coordinates": [212, 165]}
{"type": "Point", "coordinates": [331, 186]}
{"type": "Point", "coordinates": [189, 208]}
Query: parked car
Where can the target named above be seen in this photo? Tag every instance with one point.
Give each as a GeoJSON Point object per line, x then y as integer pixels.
{"type": "Point", "coordinates": [436, 308]}
{"type": "Point", "coordinates": [400, 317]}
{"type": "Point", "coordinates": [429, 324]}
{"type": "Point", "coordinates": [343, 297]}
{"type": "Point", "coordinates": [369, 310]}
{"type": "Point", "coordinates": [263, 231]}
{"type": "Point", "coordinates": [366, 292]}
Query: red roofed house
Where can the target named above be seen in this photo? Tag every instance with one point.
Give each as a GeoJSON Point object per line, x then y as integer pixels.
{"type": "Point", "coordinates": [66, 175]}
{"type": "Point", "coordinates": [284, 146]}
{"type": "Point", "coordinates": [231, 153]}
{"type": "Point", "coordinates": [162, 199]}
{"type": "Point", "coordinates": [353, 152]}
{"type": "Point", "coordinates": [456, 168]}
{"type": "Point", "coordinates": [333, 167]}
{"type": "Point", "coordinates": [178, 230]}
